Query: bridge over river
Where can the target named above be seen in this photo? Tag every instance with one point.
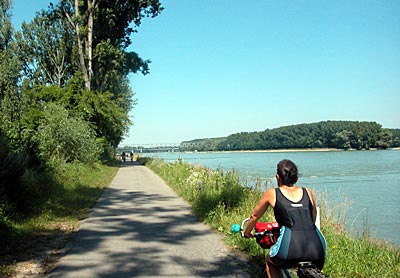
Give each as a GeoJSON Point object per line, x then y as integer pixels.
{"type": "Point", "coordinates": [158, 147]}
{"type": "Point", "coordinates": [149, 148]}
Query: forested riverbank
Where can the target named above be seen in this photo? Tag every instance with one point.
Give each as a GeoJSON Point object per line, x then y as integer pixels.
{"type": "Point", "coordinates": [328, 135]}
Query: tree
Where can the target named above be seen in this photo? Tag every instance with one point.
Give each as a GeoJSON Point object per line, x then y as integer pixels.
{"type": "Point", "coordinates": [85, 40]}
{"type": "Point", "coordinates": [9, 66]}
{"type": "Point", "coordinates": [105, 117]}
{"type": "Point", "coordinates": [46, 49]}
{"type": "Point", "coordinates": [97, 22]}
{"type": "Point", "coordinates": [5, 24]}
{"type": "Point", "coordinates": [329, 134]}
{"type": "Point", "coordinates": [385, 139]}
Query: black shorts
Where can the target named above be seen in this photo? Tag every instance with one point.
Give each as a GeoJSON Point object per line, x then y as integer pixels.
{"type": "Point", "coordinates": [294, 246]}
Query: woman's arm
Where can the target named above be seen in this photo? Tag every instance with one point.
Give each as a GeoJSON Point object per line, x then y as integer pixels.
{"type": "Point", "coordinates": [267, 200]}
{"type": "Point", "coordinates": [314, 203]}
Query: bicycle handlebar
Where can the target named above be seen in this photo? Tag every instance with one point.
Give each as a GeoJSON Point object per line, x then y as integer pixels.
{"type": "Point", "coordinates": [236, 228]}
{"type": "Point", "coordinates": [266, 233]}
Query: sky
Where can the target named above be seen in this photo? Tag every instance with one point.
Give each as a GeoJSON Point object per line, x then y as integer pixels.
{"type": "Point", "coordinates": [228, 66]}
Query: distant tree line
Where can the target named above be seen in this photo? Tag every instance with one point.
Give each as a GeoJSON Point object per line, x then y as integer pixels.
{"type": "Point", "coordinates": [328, 134]}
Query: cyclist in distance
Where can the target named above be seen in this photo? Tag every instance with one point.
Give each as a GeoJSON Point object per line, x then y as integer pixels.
{"type": "Point", "coordinates": [295, 211]}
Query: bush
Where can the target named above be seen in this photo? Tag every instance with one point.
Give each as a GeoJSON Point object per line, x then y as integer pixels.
{"type": "Point", "coordinates": [65, 137]}
{"type": "Point", "coordinates": [12, 168]}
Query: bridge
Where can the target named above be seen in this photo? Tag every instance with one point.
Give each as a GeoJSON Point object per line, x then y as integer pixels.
{"type": "Point", "coordinates": [149, 148]}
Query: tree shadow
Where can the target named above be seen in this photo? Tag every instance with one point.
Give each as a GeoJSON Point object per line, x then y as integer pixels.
{"type": "Point", "coordinates": [133, 233]}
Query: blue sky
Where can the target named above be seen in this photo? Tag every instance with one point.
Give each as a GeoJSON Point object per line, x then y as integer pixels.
{"type": "Point", "coordinates": [222, 67]}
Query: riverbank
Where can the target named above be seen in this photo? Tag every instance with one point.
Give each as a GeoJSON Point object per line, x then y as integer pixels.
{"type": "Point", "coordinates": [273, 151]}
{"type": "Point", "coordinates": [355, 176]}
{"type": "Point", "coordinates": [291, 150]}
{"type": "Point", "coordinates": [219, 200]}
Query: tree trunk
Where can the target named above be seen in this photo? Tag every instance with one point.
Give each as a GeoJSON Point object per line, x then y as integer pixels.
{"type": "Point", "coordinates": [89, 50]}
{"type": "Point", "coordinates": [81, 52]}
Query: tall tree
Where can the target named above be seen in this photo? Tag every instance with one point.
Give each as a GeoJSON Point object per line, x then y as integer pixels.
{"type": "Point", "coordinates": [98, 22]}
{"type": "Point", "coordinates": [46, 49]}
{"type": "Point", "coordinates": [86, 40]}
{"type": "Point", "coordinates": [9, 66]}
{"type": "Point", "coordinates": [5, 24]}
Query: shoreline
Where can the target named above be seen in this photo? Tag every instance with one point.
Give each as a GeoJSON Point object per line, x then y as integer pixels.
{"type": "Point", "coordinates": [291, 150]}
{"type": "Point", "coordinates": [275, 151]}
{"type": "Point", "coordinates": [282, 151]}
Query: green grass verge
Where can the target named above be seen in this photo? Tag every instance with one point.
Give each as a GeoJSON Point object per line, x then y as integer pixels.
{"type": "Point", "coordinates": [64, 196]}
{"type": "Point", "coordinates": [218, 199]}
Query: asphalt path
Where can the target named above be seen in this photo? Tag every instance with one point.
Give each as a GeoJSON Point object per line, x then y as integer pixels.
{"type": "Point", "coordinates": [141, 228]}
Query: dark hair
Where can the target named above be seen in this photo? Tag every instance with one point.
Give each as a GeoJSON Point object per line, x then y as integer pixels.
{"type": "Point", "coordinates": [287, 172]}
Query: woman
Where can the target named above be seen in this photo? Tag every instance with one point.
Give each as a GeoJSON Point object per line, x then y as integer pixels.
{"type": "Point", "coordinates": [295, 211]}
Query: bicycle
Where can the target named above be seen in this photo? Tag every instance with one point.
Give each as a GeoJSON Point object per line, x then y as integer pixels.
{"type": "Point", "coordinates": [266, 235]}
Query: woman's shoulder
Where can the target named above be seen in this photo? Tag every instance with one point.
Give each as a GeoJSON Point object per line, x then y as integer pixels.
{"type": "Point", "coordinates": [309, 191]}
{"type": "Point", "coordinates": [310, 194]}
{"type": "Point", "coordinates": [269, 195]}
{"type": "Point", "coordinates": [270, 191]}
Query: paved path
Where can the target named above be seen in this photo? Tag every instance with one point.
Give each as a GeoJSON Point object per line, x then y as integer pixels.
{"type": "Point", "coordinates": [141, 228]}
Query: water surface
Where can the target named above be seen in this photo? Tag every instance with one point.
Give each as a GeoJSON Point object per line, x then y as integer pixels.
{"type": "Point", "coordinates": [366, 182]}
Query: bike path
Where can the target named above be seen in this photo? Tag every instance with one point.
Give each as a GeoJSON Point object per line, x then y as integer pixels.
{"type": "Point", "coordinates": [141, 228]}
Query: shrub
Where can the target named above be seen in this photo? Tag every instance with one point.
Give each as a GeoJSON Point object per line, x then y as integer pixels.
{"type": "Point", "coordinates": [62, 136]}
{"type": "Point", "coordinates": [12, 168]}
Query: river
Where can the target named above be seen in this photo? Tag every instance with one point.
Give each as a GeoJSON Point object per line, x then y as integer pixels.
{"type": "Point", "coordinates": [362, 186]}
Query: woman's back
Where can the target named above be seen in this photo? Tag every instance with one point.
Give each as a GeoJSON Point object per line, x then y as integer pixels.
{"type": "Point", "coordinates": [294, 214]}
{"type": "Point", "coordinates": [300, 239]}
{"type": "Point", "coordinates": [293, 193]}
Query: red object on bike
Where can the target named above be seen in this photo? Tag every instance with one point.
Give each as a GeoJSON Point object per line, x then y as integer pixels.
{"type": "Point", "coordinates": [272, 232]}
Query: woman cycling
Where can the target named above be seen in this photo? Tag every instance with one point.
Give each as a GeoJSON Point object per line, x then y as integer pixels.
{"type": "Point", "coordinates": [295, 211]}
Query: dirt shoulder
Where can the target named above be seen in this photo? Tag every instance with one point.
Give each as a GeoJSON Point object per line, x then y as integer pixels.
{"type": "Point", "coordinates": [37, 255]}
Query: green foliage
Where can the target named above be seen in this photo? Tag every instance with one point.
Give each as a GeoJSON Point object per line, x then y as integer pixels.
{"type": "Point", "coordinates": [45, 46]}
{"type": "Point", "coordinates": [67, 63]}
{"type": "Point", "coordinates": [9, 65]}
{"type": "Point", "coordinates": [65, 137]}
{"type": "Point", "coordinates": [206, 190]}
{"type": "Point", "coordinates": [396, 137]}
{"type": "Point", "coordinates": [208, 144]}
{"type": "Point", "coordinates": [330, 134]}
{"type": "Point", "coordinates": [9, 73]}
{"type": "Point", "coordinates": [5, 24]}
{"type": "Point", "coordinates": [359, 257]}
{"type": "Point", "coordinates": [117, 20]}
{"type": "Point", "coordinates": [12, 168]}
{"type": "Point", "coordinates": [75, 187]}
{"type": "Point", "coordinates": [68, 192]}
{"type": "Point", "coordinates": [48, 116]}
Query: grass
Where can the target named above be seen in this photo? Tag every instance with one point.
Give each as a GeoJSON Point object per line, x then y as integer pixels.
{"type": "Point", "coordinates": [219, 199]}
{"type": "Point", "coordinates": [66, 195]}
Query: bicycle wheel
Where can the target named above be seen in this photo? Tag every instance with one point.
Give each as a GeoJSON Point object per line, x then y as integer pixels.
{"type": "Point", "coordinates": [309, 272]}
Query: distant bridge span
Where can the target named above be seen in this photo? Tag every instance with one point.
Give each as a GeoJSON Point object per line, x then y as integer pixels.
{"type": "Point", "coordinates": [153, 147]}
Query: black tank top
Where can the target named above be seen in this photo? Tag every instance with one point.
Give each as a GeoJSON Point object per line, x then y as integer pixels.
{"type": "Point", "coordinates": [294, 215]}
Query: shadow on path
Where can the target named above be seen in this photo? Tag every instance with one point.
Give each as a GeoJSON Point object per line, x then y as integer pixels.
{"type": "Point", "coordinates": [141, 228]}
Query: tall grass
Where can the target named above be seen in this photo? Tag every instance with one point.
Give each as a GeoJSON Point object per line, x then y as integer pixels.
{"type": "Point", "coordinates": [219, 199]}
{"type": "Point", "coordinates": [65, 195]}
